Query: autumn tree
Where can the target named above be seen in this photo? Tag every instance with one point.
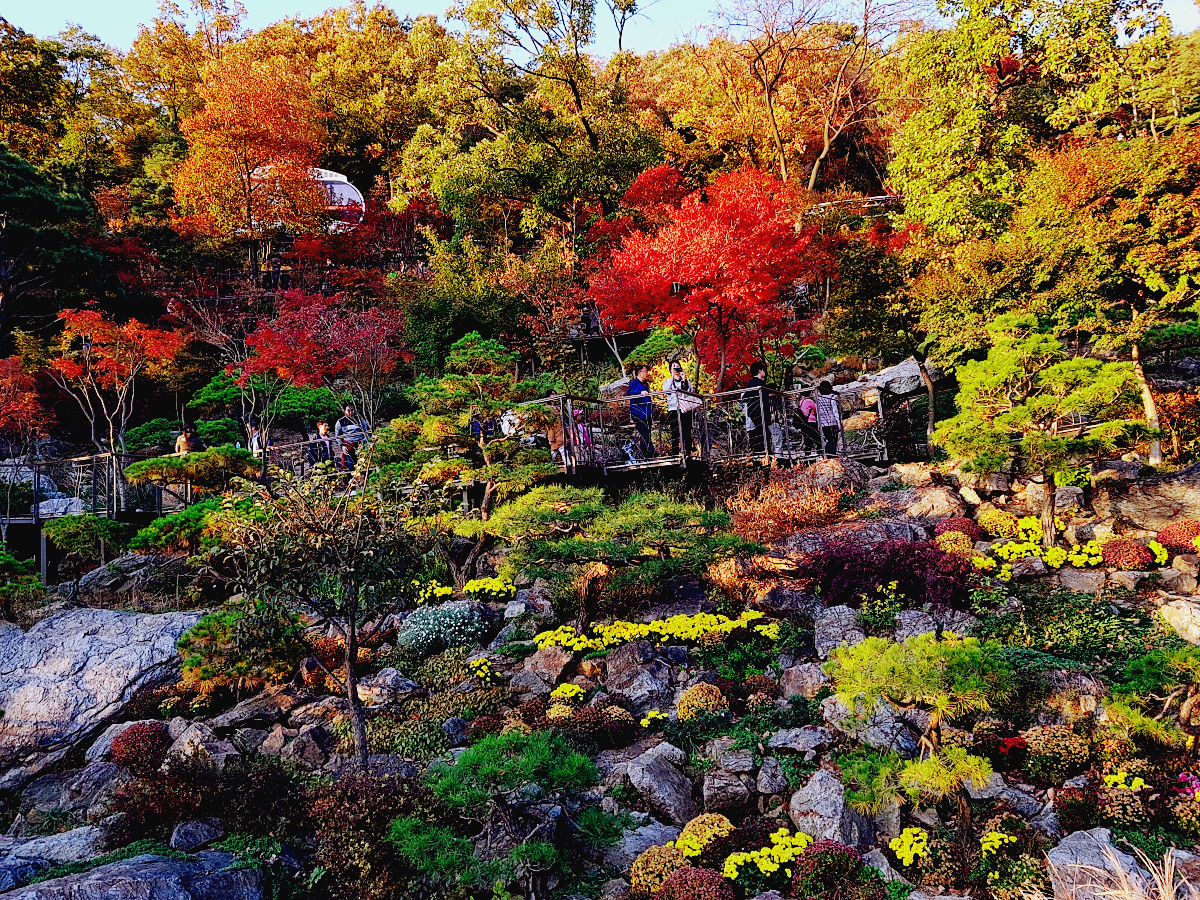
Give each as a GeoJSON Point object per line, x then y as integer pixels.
{"type": "Point", "coordinates": [170, 56]}
{"type": "Point", "coordinates": [251, 152]}
{"type": "Point", "coordinates": [718, 271]}
{"type": "Point", "coordinates": [994, 86]}
{"type": "Point", "coordinates": [331, 341]}
{"type": "Point", "coordinates": [1107, 243]}
{"type": "Point", "coordinates": [31, 83]}
{"type": "Point", "coordinates": [99, 363]}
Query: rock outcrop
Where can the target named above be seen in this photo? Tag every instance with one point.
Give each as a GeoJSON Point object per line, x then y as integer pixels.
{"type": "Point", "coordinates": [207, 876]}
{"type": "Point", "coordinates": [1151, 502]}
{"type": "Point", "coordinates": [61, 681]}
{"type": "Point", "coordinates": [819, 809]}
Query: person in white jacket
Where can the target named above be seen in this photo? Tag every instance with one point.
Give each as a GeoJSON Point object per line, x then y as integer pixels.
{"type": "Point", "coordinates": [829, 417]}
{"type": "Point", "coordinates": [681, 404]}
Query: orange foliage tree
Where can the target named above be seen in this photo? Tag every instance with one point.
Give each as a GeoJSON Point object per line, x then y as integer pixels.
{"type": "Point", "coordinates": [251, 150]}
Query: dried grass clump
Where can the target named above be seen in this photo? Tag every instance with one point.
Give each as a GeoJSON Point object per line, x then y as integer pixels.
{"type": "Point", "coordinates": [782, 506]}
{"type": "Point", "coordinates": [1165, 881]}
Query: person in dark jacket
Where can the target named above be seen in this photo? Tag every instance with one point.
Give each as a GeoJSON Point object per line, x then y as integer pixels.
{"type": "Point", "coordinates": [756, 401]}
{"type": "Point", "coordinates": [641, 409]}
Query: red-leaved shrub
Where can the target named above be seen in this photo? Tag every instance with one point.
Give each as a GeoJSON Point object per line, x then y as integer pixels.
{"type": "Point", "coordinates": [846, 571]}
{"type": "Point", "coordinates": [1128, 555]}
{"type": "Point", "coordinates": [960, 523]}
{"type": "Point", "coordinates": [1178, 536]}
{"type": "Point", "coordinates": [142, 747]}
{"type": "Point", "coordinates": [352, 816]}
{"type": "Point", "coordinates": [695, 884]}
{"type": "Point", "coordinates": [831, 870]}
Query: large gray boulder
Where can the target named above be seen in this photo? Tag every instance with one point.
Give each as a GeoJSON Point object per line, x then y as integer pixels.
{"type": "Point", "coordinates": [635, 672]}
{"type": "Point", "coordinates": [61, 681]}
{"type": "Point", "coordinates": [819, 809]}
{"type": "Point", "coordinates": [207, 876]}
{"type": "Point", "coordinates": [637, 841]}
{"type": "Point", "coordinates": [1086, 866]}
{"type": "Point", "coordinates": [77, 845]}
{"type": "Point", "coordinates": [836, 627]}
{"type": "Point", "coordinates": [1151, 502]}
{"type": "Point", "coordinates": [664, 788]}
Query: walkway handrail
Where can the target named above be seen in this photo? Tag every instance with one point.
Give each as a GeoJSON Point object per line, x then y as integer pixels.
{"type": "Point", "coordinates": [726, 426]}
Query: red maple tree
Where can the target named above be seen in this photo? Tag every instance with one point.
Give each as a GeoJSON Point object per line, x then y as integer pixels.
{"type": "Point", "coordinates": [23, 416]}
{"type": "Point", "coordinates": [98, 363]}
{"type": "Point", "coordinates": [316, 340]}
{"type": "Point", "coordinates": [717, 270]}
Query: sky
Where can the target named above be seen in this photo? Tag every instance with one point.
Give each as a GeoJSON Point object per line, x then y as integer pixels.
{"type": "Point", "coordinates": [664, 22]}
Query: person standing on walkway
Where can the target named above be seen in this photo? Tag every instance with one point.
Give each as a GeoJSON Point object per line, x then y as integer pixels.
{"type": "Point", "coordinates": [756, 406]}
{"type": "Point", "coordinates": [641, 408]}
{"type": "Point", "coordinates": [829, 417]}
{"type": "Point", "coordinates": [681, 404]}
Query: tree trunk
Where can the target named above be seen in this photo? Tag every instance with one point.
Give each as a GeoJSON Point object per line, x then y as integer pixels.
{"type": "Point", "coordinates": [357, 718]}
{"type": "Point", "coordinates": [1149, 405]}
{"type": "Point", "coordinates": [1048, 509]}
{"type": "Point", "coordinates": [776, 136]}
{"type": "Point", "coordinates": [931, 393]}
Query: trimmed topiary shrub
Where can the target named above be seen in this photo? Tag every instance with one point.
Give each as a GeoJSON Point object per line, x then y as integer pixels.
{"type": "Point", "coordinates": [1128, 555]}
{"type": "Point", "coordinates": [827, 870]}
{"type": "Point", "coordinates": [700, 698]}
{"type": "Point", "coordinates": [960, 524]}
{"type": "Point", "coordinates": [695, 884]}
{"type": "Point", "coordinates": [141, 748]}
{"type": "Point", "coordinates": [1180, 537]}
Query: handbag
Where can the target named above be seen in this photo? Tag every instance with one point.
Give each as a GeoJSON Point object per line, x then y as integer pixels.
{"type": "Point", "coordinates": [688, 402]}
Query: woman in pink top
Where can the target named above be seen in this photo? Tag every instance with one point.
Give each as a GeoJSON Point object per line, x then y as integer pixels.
{"type": "Point", "coordinates": [808, 425]}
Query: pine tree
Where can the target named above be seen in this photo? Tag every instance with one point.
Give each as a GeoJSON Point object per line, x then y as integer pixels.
{"type": "Point", "coordinates": [1031, 399]}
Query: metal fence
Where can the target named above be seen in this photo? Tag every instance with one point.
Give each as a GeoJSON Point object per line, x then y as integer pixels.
{"type": "Point", "coordinates": [35, 489]}
{"type": "Point", "coordinates": [661, 429]}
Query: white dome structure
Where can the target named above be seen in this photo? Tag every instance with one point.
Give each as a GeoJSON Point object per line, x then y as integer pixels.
{"type": "Point", "coordinates": [344, 202]}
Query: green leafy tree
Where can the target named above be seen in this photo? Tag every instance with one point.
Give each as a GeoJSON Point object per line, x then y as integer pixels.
{"type": "Point", "coordinates": [873, 311]}
{"type": "Point", "coordinates": [89, 538]}
{"type": "Point", "coordinates": [458, 426]}
{"type": "Point", "coordinates": [1028, 386]}
{"type": "Point", "coordinates": [994, 86]}
{"type": "Point", "coordinates": [19, 581]}
{"type": "Point", "coordinates": [40, 236]}
{"type": "Point", "coordinates": [316, 547]}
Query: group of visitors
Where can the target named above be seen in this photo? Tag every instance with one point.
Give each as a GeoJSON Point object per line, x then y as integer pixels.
{"type": "Point", "coordinates": [339, 445]}
{"type": "Point", "coordinates": [819, 421]}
